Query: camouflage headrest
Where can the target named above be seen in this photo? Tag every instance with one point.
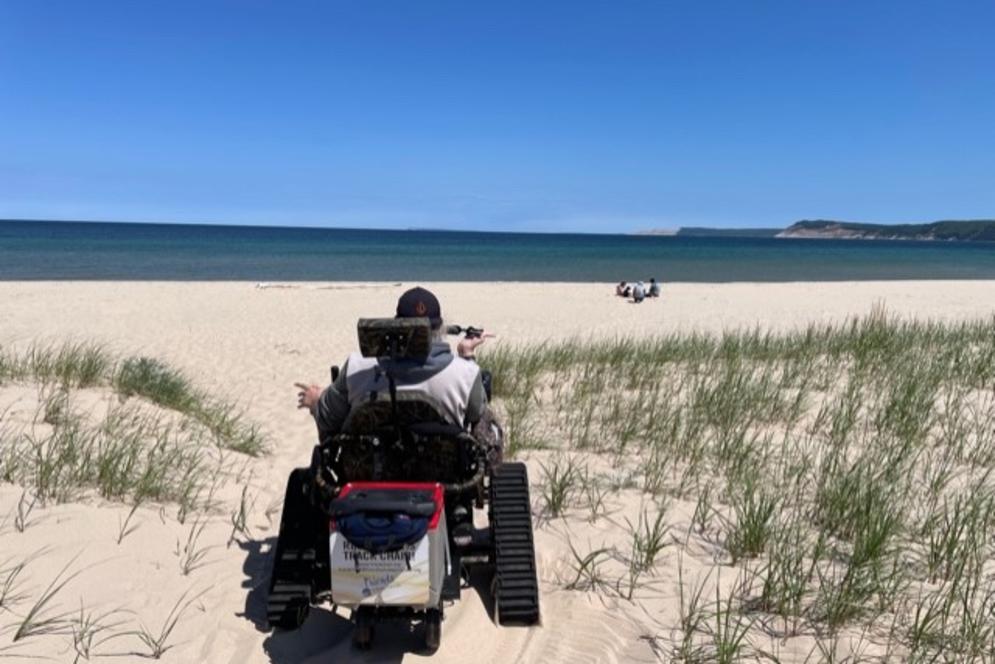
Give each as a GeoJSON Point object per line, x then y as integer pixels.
{"type": "Point", "coordinates": [400, 338]}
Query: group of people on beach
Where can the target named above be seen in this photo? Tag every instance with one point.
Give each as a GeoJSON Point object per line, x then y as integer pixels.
{"type": "Point", "coordinates": [638, 291]}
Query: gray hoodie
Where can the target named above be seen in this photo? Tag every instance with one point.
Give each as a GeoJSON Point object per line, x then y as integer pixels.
{"type": "Point", "coordinates": [430, 376]}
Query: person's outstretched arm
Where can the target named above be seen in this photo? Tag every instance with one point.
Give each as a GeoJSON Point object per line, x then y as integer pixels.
{"type": "Point", "coordinates": [467, 347]}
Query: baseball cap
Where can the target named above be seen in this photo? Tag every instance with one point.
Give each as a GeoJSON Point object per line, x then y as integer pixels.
{"type": "Point", "coordinates": [420, 303]}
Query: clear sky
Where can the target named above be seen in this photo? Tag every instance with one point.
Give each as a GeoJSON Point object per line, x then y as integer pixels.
{"type": "Point", "coordinates": [557, 116]}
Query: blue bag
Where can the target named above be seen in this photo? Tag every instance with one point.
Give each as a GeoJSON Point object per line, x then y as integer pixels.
{"type": "Point", "coordinates": [382, 532]}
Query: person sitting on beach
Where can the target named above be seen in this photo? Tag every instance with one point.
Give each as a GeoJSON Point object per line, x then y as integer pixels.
{"type": "Point", "coordinates": [622, 290]}
{"type": "Point", "coordinates": [452, 381]}
{"type": "Point", "coordinates": [654, 290]}
{"type": "Point", "coordinates": [638, 292]}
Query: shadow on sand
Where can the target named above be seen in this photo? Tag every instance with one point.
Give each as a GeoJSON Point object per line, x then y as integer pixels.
{"type": "Point", "coordinates": [326, 636]}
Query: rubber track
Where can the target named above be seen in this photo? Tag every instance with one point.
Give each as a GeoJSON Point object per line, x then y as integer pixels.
{"type": "Point", "coordinates": [517, 588]}
{"type": "Point", "coordinates": [293, 565]}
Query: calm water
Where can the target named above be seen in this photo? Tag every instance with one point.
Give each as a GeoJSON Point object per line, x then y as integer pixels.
{"type": "Point", "coordinates": [64, 250]}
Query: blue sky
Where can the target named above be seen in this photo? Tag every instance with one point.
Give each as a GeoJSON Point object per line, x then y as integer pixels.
{"type": "Point", "coordinates": [572, 116]}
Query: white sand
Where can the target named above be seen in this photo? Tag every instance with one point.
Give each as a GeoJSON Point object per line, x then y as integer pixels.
{"type": "Point", "coordinates": [249, 344]}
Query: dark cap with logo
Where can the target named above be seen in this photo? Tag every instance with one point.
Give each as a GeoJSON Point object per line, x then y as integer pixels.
{"type": "Point", "coordinates": [420, 303]}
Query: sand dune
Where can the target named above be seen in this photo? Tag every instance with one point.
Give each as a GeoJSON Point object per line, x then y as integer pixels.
{"type": "Point", "coordinates": [248, 343]}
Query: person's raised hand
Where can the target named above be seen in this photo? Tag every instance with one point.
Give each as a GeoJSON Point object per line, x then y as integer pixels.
{"type": "Point", "coordinates": [308, 396]}
{"type": "Point", "coordinates": [467, 347]}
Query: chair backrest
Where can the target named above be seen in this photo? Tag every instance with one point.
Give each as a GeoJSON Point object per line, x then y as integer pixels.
{"type": "Point", "coordinates": [377, 417]}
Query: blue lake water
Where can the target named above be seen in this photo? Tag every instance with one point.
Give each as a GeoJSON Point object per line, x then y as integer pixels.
{"type": "Point", "coordinates": [121, 251]}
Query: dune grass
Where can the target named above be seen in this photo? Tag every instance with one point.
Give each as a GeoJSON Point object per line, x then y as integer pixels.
{"type": "Point", "coordinates": [169, 388]}
{"type": "Point", "coordinates": [157, 642]}
{"type": "Point", "coordinates": [75, 365]}
{"type": "Point", "coordinates": [154, 443]}
{"type": "Point", "coordinates": [129, 454]}
{"type": "Point", "coordinates": [847, 470]}
{"type": "Point", "coordinates": [146, 435]}
{"type": "Point", "coordinates": [43, 616]}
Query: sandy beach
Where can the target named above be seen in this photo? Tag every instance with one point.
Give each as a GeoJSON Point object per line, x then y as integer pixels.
{"type": "Point", "coordinates": [248, 343]}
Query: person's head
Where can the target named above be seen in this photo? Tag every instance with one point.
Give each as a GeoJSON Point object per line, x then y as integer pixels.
{"type": "Point", "coordinates": [622, 284]}
{"type": "Point", "coordinates": [652, 280]}
{"type": "Point", "coordinates": [419, 302]}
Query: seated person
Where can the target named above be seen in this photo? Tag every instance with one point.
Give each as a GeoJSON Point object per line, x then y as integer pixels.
{"type": "Point", "coordinates": [654, 290]}
{"type": "Point", "coordinates": [621, 290]}
{"type": "Point", "coordinates": [638, 292]}
{"type": "Point", "coordinates": [454, 383]}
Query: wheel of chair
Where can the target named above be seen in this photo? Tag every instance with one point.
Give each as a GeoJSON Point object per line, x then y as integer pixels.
{"type": "Point", "coordinates": [290, 586]}
{"type": "Point", "coordinates": [516, 595]}
{"type": "Point", "coordinates": [362, 632]}
{"type": "Point", "coordinates": [433, 629]}
{"type": "Point", "coordinates": [293, 616]}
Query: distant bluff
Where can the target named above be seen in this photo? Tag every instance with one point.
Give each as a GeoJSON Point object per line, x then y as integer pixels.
{"type": "Point", "coordinates": [978, 230]}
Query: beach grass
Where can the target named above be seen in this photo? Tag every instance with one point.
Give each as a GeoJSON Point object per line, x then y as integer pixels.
{"type": "Point", "coordinates": [844, 474]}
{"type": "Point", "coordinates": [152, 442]}
{"type": "Point", "coordinates": [847, 469]}
{"type": "Point", "coordinates": [157, 642]}
{"type": "Point", "coordinates": [167, 387]}
{"type": "Point", "coordinates": [75, 365]}
{"type": "Point", "coordinates": [43, 616]}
